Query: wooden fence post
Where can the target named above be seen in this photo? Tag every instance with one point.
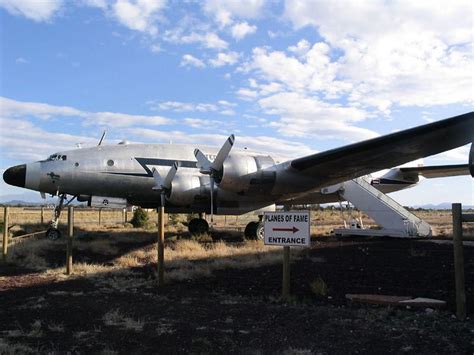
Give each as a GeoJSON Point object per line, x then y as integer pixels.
{"type": "Point", "coordinates": [459, 262]}
{"type": "Point", "coordinates": [5, 232]}
{"type": "Point", "coordinates": [286, 273]}
{"type": "Point", "coordinates": [70, 234]}
{"type": "Point", "coordinates": [42, 215]}
{"type": "Point", "coordinates": [161, 241]}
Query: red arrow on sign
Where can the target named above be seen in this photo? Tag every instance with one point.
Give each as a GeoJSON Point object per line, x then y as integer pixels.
{"type": "Point", "coordinates": [294, 229]}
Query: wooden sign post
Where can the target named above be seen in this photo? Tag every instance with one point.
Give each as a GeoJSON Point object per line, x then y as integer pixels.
{"type": "Point", "coordinates": [459, 262]}
{"type": "Point", "coordinates": [290, 228]}
{"type": "Point", "coordinates": [70, 234]}
{"type": "Point", "coordinates": [5, 232]}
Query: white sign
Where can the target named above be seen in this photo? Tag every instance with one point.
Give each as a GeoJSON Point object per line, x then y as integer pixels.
{"type": "Point", "coordinates": [287, 228]}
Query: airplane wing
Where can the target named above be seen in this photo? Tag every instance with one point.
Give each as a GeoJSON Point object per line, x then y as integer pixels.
{"type": "Point", "coordinates": [354, 160]}
{"type": "Point", "coordinates": [430, 172]}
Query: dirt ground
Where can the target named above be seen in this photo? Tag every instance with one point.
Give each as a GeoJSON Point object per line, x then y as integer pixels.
{"type": "Point", "coordinates": [224, 297]}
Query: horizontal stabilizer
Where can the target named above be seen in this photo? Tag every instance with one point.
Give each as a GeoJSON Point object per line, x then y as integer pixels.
{"type": "Point", "coordinates": [430, 172]}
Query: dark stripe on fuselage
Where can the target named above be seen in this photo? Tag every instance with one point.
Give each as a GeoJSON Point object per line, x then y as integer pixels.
{"type": "Point", "coordinates": [392, 182]}
{"type": "Point", "coordinates": [144, 162]}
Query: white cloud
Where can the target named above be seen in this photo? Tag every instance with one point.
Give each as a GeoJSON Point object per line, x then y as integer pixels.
{"type": "Point", "coordinates": [408, 54]}
{"type": "Point", "coordinates": [263, 144]}
{"type": "Point", "coordinates": [247, 94]}
{"type": "Point", "coordinates": [199, 123]}
{"type": "Point", "coordinates": [222, 106]}
{"type": "Point", "coordinates": [301, 48]}
{"type": "Point", "coordinates": [190, 60]}
{"type": "Point", "coordinates": [13, 108]}
{"type": "Point", "coordinates": [21, 60]}
{"type": "Point", "coordinates": [225, 11]}
{"type": "Point", "coordinates": [39, 11]}
{"type": "Point", "coordinates": [459, 155]}
{"type": "Point", "coordinates": [314, 72]}
{"type": "Point", "coordinates": [101, 4]}
{"type": "Point", "coordinates": [18, 109]}
{"type": "Point", "coordinates": [242, 29]}
{"type": "Point", "coordinates": [303, 116]}
{"type": "Point", "coordinates": [17, 137]}
{"type": "Point", "coordinates": [229, 58]}
{"type": "Point", "coordinates": [156, 48]}
{"type": "Point", "coordinates": [139, 15]}
{"type": "Point", "coordinates": [208, 40]}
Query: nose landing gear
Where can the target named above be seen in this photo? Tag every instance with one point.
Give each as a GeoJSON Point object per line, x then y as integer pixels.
{"type": "Point", "coordinates": [53, 232]}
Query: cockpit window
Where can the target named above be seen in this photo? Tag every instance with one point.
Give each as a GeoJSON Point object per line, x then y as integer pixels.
{"type": "Point", "coordinates": [57, 157]}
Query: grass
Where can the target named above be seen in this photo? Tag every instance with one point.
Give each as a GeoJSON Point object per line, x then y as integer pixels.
{"type": "Point", "coordinates": [117, 318]}
{"type": "Point", "coordinates": [184, 259]}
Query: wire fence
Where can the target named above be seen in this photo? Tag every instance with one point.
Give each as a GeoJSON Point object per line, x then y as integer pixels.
{"type": "Point", "coordinates": [322, 221]}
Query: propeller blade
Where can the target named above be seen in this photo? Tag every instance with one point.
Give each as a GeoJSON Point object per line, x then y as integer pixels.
{"type": "Point", "coordinates": [218, 163]}
{"type": "Point", "coordinates": [170, 176]}
{"type": "Point", "coordinates": [158, 180]}
{"type": "Point", "coordinates": [203, 163]}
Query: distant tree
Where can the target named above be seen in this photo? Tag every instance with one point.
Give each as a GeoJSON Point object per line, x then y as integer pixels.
{"type": "Point", "coordinates": [140, 218]}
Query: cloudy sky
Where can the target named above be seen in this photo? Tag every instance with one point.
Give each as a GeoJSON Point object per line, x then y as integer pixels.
{"type": "Point", "coordinates": [287, 77]}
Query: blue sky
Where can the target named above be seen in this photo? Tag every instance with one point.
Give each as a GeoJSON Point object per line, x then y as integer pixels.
{"type": "Point", "coordinates": [286, 77]}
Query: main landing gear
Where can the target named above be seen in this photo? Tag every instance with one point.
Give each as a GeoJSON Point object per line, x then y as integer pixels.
{"type": "Point", "coordinates": [53, 232]}
{"type": "Point", "coordinates": [198, 226]}
{"type": "Point", "coordinates": [254, 231]}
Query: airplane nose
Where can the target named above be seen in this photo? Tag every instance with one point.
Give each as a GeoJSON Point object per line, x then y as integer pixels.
{"type": "Point", "coordinates": [15, 175]}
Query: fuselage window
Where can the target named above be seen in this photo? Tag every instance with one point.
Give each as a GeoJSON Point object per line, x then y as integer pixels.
{"type": "Point", "coordinates": [110, 162]}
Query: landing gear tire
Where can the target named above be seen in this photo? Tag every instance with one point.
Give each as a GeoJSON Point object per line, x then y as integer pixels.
{"type": "Point", "coordinates": [53, 233]}
{"type": "Point", "coordinates": [198, 226]}
{"type": "Point", "coordinates": [254, 231]}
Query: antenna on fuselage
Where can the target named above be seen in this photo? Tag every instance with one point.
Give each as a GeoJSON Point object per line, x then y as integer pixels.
{"type": "Point", "coordinates": [102, 138]}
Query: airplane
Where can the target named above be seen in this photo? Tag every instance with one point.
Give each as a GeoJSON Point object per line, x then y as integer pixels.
{"type": "Point", "coordinates": [199, 179]}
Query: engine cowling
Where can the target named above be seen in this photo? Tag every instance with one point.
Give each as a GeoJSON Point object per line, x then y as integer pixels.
{"type": "Point", "coordinates": [185, 189]}
{"type": "Point", "coordinates": [247, 173]}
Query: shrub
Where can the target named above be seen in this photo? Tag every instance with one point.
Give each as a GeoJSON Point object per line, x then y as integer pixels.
{"type": "Point", "coordinates": [319, 287]}
{"type": "Point", "coordinates": [140, 218]}
{"type": "Point", "coordinates": [173, 219]}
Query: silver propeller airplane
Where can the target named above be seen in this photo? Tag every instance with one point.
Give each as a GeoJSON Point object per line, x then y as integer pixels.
{"type": "Point", "coordinates": [190, 179]}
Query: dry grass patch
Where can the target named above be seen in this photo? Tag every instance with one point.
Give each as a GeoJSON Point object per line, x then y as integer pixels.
{"type": "Point", "coordinates": [117, 318]}
{"type": "Point", "coordinates": [8, 348]}
{"type": "Point", "coordinates": [36, 331]}
{"type": "Point", "coordinates": [58, 328]}
{"type": "Point", "coordinates": [98, 246]}
{"type": "Point", "coordinates": [30, 253]}
{"type": "Point", "coordinates": [189, 259]}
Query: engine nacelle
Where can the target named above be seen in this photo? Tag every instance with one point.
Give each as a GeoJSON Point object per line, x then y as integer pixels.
{"type": "Point", "coordinates": [247, 173]}
{"type": "Point", "coordinates": [185, 189]}
{"type": "Point", "coordinates": [107, 202]}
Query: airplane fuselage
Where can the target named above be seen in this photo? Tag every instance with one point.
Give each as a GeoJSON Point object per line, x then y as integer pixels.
{"type": "Point", "coordinates": [250, 180]}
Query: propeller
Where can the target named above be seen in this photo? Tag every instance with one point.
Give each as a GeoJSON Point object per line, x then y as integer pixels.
{"type": "Point", "coordinates": [164, 185]}
{"type": "Point", "coordinates": [215, 168]}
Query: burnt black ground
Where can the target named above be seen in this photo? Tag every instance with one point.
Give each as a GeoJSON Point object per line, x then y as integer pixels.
{"type": "Point", "coordinates": [240, 310]}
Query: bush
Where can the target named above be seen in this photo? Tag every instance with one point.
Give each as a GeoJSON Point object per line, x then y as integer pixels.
{"type": "Point", "coordinates": [140, 218]}
{"type": "Point", "coordinates": [319, 287]}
